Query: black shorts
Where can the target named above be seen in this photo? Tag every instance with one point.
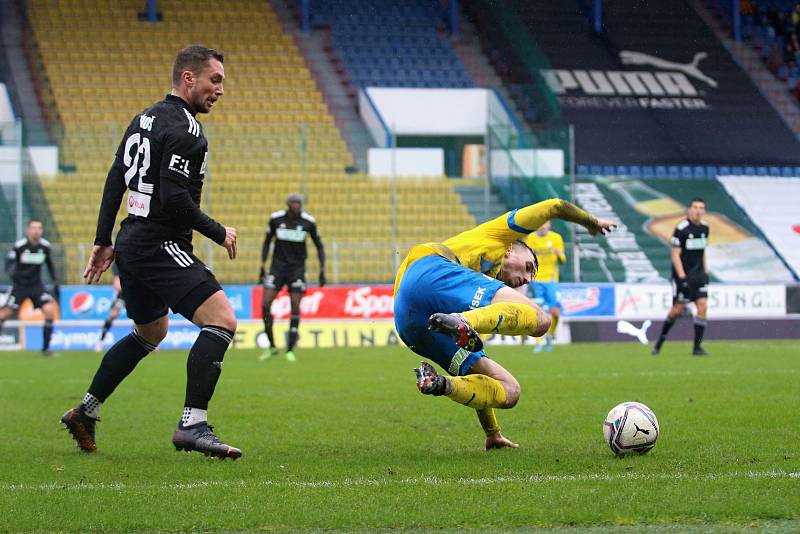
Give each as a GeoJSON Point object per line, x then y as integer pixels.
{"type": "Point", "coordinates": [169, 277]}
{"type": "Point", "coordinates": [38, 295]}
{"type": "Point", "coordinates": [293, 278]}
{"type": "Point", "coordinates": [698, 289]}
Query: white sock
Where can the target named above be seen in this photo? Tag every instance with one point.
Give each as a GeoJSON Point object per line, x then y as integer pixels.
{"type": "Point", "coordinates": [192, 416]}
{"type": "Point", "coordinates": [91, 405]}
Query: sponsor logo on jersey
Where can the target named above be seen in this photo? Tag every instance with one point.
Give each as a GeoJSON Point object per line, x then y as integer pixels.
{"type": "Point", "coordinates": [179, 164]}
{"type": "Point", "coordinates": [296, 235]}
{"type": "Point", "coordinates": [696, 243]}
{"type": "Point", "coordinates": [138, 204]}
{"type": "Point", "coordinates": [32, 258]}
{"type": "Point", "coordinates": [81, 302]}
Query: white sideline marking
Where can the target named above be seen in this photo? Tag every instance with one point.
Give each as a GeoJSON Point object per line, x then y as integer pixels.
{"type": "Point", "coordinates": [429, 481]}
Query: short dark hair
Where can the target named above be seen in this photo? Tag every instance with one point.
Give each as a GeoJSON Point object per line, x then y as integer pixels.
{"type": "Point", "coordinates": [535, 257]}
{"type": "Point", "coordinates": [33, 220]}
{"type": "Point", "coordinates": [697, 199]}
{"type": "Point", "coordinates": [193, 58]}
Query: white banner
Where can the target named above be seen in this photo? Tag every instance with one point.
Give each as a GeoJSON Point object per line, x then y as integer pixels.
{"type": "Point", "coordinates": [653, 301]}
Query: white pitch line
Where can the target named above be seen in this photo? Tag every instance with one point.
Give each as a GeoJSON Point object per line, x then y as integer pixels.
{"type": "Point", "coordinates": [427, 481]}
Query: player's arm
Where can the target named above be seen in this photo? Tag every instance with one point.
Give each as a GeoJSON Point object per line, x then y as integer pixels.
{"type": "Point", "coordinates": [265, 251]}
{"type": "Point", "coordinates": [320, 253]}
{"type": "Point", "coordinates": [11, 262]}
{"type": "Point", "coordinates": [559, 250]}
{"type": "Point", "coordinates": [102, 253]}
{"type": "Point", "coordinates": [175, 196]}
{"type": "Point", "coordinates": [51, 268]}
{"type": "Point", "coordinates": [675, 255]}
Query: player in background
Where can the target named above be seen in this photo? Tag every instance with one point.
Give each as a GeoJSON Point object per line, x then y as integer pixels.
{"type": "Point", "coordinates": [117, 305]}
{"type": "Point", "coordinates": [447, 294]}
{"type": "Point", "coordinates": [24, 265]}
{"type": "Point", "coordinates": [289, 228]}
{"type": "Point", "coordinates": [161, 162]}
{"type": "Point", "coordinates": [689, 274]}
{"type": "Point", "coordinates": [549, 249]}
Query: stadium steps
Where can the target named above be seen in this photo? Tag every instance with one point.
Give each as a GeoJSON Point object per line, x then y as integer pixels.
{"type": "Point", "coordinates": [473, 195]}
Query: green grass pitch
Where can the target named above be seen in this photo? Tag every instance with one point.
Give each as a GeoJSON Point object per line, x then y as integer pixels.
{"type": "Point", "coordinates": [341, 439]}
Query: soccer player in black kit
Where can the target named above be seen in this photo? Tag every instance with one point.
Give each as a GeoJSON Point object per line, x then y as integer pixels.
{"type": "Point", "coordinates": [289, 227]}
{"type": "Point", "coordinates": [161, 161]}
{"type": "Point", "coordinates": [24, 264]}
{"type": "Point", "coordinates": [689, 274]}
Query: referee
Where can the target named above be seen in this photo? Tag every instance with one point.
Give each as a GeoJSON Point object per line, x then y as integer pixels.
{"type": "Point", "coordinates": [289, 228]}
{"type": "Point", "coordinates": [689, 274]}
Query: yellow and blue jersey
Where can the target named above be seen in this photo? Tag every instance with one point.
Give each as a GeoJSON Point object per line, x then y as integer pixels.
{"type": "Point", "coordinates": [549, 250]}
{"type": "Point", "coordinates": [482, 248]}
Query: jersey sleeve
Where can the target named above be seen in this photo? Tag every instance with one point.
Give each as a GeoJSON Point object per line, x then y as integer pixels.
{"type": "Point", "coordinates": [678, 238]}
{"type": "Point", "coordinates": [175, 172]}
{"type": "Point", "coordinates": [113, 191]}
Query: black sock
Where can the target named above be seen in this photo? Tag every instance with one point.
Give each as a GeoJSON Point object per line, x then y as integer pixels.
{"type": "Point", "coordinates": [293, 335]}
{"type": "Point", "coordinates": [106, 328]}
{"type": "Point", "coordinates": [268, 326]}
{"type": "Point", "coordinates": [205, 365]}
{"type": "Point", "coordinates": [48, 333]}
{"type": "Point", "coordinates": [118, 363]}
{"type": "Point", "coordinates": [699, 330]}
{"type": "Point", "coordinates": [664, 330]}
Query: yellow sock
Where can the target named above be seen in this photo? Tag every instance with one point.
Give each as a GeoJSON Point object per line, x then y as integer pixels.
{"type": "Point", "coordinates": [509, 318]}
{"type": "Point", "coordinates": [477, 391]}
{"type": "Point", "coordinates": [553, 324]}
{"type": "Point", "coordinates": [488, 421]}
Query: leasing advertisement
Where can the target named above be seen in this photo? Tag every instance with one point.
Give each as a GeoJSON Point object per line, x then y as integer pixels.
{"type": "Point", "coordinates": [652, 301]}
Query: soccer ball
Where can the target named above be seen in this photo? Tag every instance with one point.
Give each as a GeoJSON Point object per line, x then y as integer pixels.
{"type": "Point", "coordinates": [631, 427]}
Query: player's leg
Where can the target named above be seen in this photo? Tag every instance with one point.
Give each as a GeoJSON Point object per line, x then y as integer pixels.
{"type": "Point", "coordinates": [296, 290]}
{"type": "Point", "coordinates": [700, 326]}
{"type": "Point", "coordinates": [12, 302]}
{"type": "Point", "coordinates": [49, 312]}
{"type": "Point", "coordinates": [5, 313]}
{"type": "Point", "coordinates": [110, 318]}
{"type": "Point", "coordinates": [509, 313]}
{"type": "Point", "coordinates": [678, 303]}
{"type": "Point", "coordinates": [211, 310]}
{"type": "Point", "coordinates": [270, 292]}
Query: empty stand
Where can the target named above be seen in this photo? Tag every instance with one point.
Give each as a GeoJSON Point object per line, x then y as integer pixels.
{"type": "Point", "coordinates": [271, 134]}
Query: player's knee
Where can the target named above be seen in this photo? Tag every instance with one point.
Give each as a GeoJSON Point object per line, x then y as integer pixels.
{"type": "Point", "coordinates": [154, 333]}
{"type": "Point", "coordinates": [542, 324]}
{"type": "Point", "coordinates": [512, 390]}
{"type": "Point", "coordinates": [228, 321]}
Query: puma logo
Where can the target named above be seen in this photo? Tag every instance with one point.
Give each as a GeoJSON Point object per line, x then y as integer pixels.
{"type": "Point", "coordinates": [643, 431]}
{"type": "Point", "coordinates": [624, 327]}
{"type": "Point", "coordinates": [690, 69]}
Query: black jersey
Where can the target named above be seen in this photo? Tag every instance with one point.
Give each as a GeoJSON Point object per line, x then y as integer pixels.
{"type": "Point", "coordinates": [161, 161]}
{"type": "Point", "coordinates": [25, 261]}
{"type": "Point", "coordinates": [290, 240]}
{"type": "Point", "coordinates": [692, 240]}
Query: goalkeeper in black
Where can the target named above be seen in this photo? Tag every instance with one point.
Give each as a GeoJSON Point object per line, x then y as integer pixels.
{"type": "Point", "coordinates": [689, 274]}
{"type": "Point", "coordinates": [161, 163]}
{"type": "Point", "coordinates": [289, 228]}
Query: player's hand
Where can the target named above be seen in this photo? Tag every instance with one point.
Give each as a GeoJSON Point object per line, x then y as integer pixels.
{"type": "Point", "coordinates": [602, 227]}
{"type": "Point", "coordinates": [99, 261]}
{"type": "Point", "coordinates": [498, 441]}
{"type": "Point", "coordinates": [322, 279]}
{"type": "Point", "coordinates": [683, 283]}
{"type": "Point", "coordinates": [230, 242]}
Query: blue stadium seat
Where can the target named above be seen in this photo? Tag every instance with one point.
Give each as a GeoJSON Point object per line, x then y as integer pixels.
{"type": "Point", "coordinates": [787, 171]}
{"type": "Point", "coordinates": [608, 170]}
{"type": "Point", "coordinates": [674, 171]}
{"type": "Point", "coordinates": [796, 171]}
{"type": "Point", "coordinates": [737, 170]}
{"type": "Point", "coordinates": [749, 170]}
{"type": "Point", "coordinates": [582, 169]}
{"type": "Point", "coordinates": [635, 171]}
{"type": "Point", "coordinates": [711, 171]}
{"type": "Point", "coordinates": [725, 171]}
{"type": "Point", "coordinates": [661, 171]}
{"type": "Point", "coordinates": [648, 171]}
{"type": "Point", "coordinates": [774, 171]}
{"type": "Point", "coordinates": [762, 171]}
{"type": "Point", "coordinates": [699, 171]}
{"type": "Point", "coordinates": [622, 170]}
{"type": "Point", "coordinates": [596, 169]}
{"type": "Point", "coordinates": [686, 171]}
